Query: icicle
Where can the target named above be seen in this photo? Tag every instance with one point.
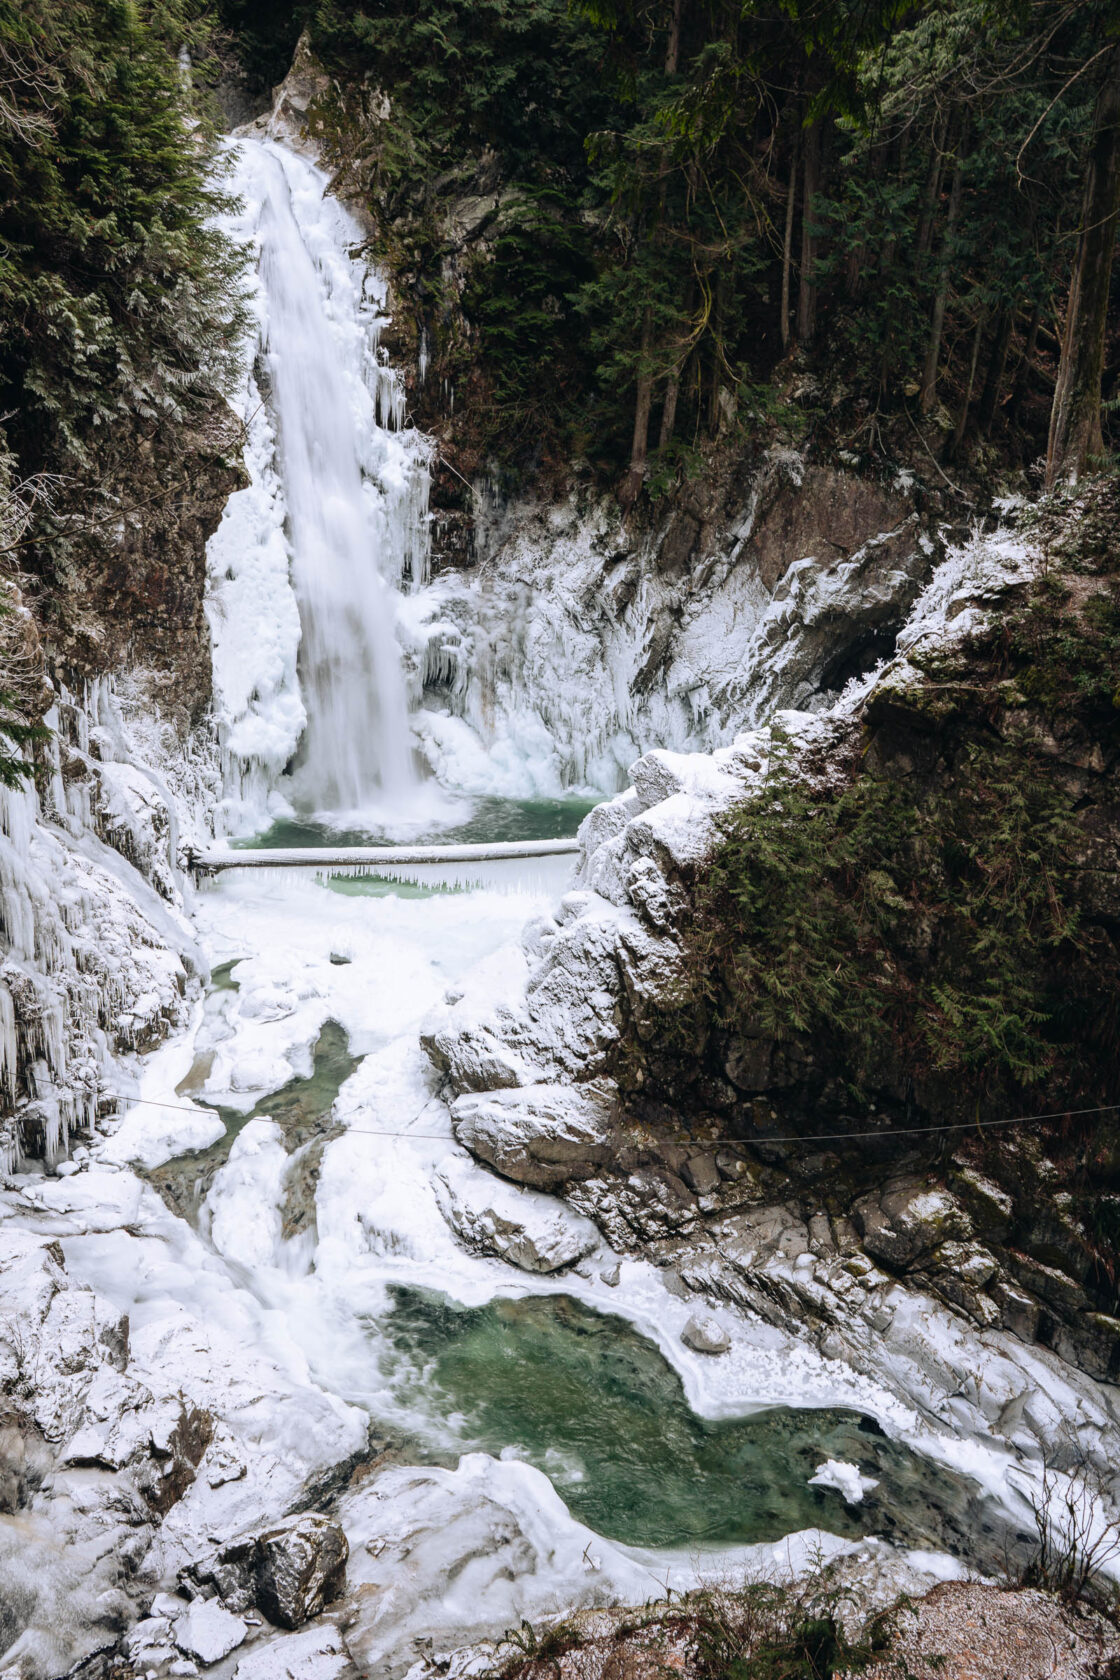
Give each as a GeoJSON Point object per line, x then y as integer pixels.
{"type": "Point", "coordinates": [9, 1044]}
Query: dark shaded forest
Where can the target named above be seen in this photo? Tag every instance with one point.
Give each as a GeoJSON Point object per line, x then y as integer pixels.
{"type": "Point", "coordinates": [857, 216]}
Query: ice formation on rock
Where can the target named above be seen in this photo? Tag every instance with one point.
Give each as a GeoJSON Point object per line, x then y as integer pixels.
{"type": "Point", "coordinates": [576, 647]}
{"type": "Point", "coordinates": [96, 951]}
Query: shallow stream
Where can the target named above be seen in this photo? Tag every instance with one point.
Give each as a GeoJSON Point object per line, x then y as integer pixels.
{"type": "Point", "coordinates": [452, 1353]}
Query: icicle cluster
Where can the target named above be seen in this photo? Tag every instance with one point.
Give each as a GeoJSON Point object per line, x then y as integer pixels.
{"type": "Point", "coordinates": [92, 959]}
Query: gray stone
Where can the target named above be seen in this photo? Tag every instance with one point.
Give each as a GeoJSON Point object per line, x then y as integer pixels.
{"type": "Point", "coordinates": [675, 1284]}
{"type": "Point", "coordinates": [731, 1166]}
{"type": "Point", "coordinates": [1018, 1312]}
{"type": "Point", "coordinates": [990, 1207]}
{"type": "Point", "coordinates": [820, 1235]}
{"type": "Point", "coordinates": [700, 1174]}
{"type": "Point", "coordinates": [909, 1222]}
{"type": "Point", "coordinates": [537, 1233]}
{"type": "Point", "coordinates": [748, 1063]}
{"type": "Point", "coordinates": [301, 1566]}
{"type": "Point", "coordinates": [705, 1335]}
{"type": "Point", "coordinates": [539, 1135]}
{"type": "Point", "coordinates": [610, 1275]}
{"type": "Point", "coordinates": [1092, 1342]}
{"type": "Point", "coordinates": [289, 1570]}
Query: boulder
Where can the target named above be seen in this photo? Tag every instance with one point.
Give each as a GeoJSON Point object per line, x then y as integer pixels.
{"type": "Point", "coordinates": [529, 1230]}
{"type": "Point", "coordinates": [208, 1631]}
{"type": "Point", "coordinates": [301, 1565]}
{"type": "Point", "coordinates": [701, 1174]}
{"type": "Point", "coordinates": [910, 1221]}
{"type": "Point", "coordinates": [705, 1335]}
{"type": "Point", "coordinates": [539, 1135]}
{"type": "Point", "coordinates": [661, 774]}
{"type": "Point", "coordinates": [289, 1570]}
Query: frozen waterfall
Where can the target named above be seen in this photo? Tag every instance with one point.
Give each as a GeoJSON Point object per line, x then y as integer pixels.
{"type": "Point", "coordinates": [337, 511]}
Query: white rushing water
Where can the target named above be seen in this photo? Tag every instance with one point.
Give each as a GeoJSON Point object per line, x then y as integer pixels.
{"type": "Point", "coordinates": [315, 703]}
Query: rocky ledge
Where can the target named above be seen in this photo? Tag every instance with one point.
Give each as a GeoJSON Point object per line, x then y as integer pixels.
{"type": "Point", "coordinates": [964, 1280]}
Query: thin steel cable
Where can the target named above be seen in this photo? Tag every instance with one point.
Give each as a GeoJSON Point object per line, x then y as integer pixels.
{"type": "Point", "coordinates": [811, 1137]}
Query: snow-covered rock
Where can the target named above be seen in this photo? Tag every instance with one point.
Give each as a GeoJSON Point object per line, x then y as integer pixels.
{"type": "Point", "coordinates": [705, 1334]}
{"type": "Point", "coordinates": [847, 1479]}
{"type": "Point", "coordinates": [317, 1653]}
{"type": "Point", "coordinates": [208, 1631]}
{"type": "Point", "coordinates": [532, 1231]}
{"type": "Point", "coordinates": [539, 1134]}
{"type": "Point", "coordinates": [575, 647]}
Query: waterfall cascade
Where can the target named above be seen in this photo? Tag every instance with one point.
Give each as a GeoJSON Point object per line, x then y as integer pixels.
{"type": "Point", "coordinates": [336, 512]}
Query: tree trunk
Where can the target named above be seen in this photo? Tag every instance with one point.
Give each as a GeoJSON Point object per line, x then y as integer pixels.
{"type": "Point", "coordinates": [855, 266]}
{"type": "Point", "coordinates": [933, 187]}
{"type": "Point", "coordinates": [673, 47]}
{"type": "Point", "coordinates": [997, 362]}
{"type": "Point", "coordinates": [1075, 418]}
{"type": "Point", "coordinates": [787, 242]}
{"type": "Point", "coordinates": [1026, 363]}
{"type": "Point", "coordinates": [937, 323]}
{"type": "Point", "coordinates": [673, 383]}
{"type": "Point", "coordinates": [715, 384]}
{"type": "Point", "coordinates": [669, 409]}
{"type": "Point", "coordinates": [807, 290]}
{"type": "Point", "coordinates": [962, 417]}
{"type": "Point", "coordinates": [642, 404]}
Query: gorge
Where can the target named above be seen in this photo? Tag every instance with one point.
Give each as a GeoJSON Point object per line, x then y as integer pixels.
{"type": "Point", "coordinates": [391, 1259]}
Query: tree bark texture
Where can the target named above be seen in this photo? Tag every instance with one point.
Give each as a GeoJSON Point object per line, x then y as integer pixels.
{"type": "Point", "coordinates": [787, 241]}
{"type": "Point", "coordinates": [937, 322]}
{"type": "Point", "coordinates": [642, 403]}
{"type": "Point", "coordinates": [807, 291]}
{"type": "Point", "coordinates": [993, 379]}
{"type": "Point", "coordinates": [1075, 418]}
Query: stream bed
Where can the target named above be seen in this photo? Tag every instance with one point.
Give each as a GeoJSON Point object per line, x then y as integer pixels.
{"type": "Point", "coordinates": [455, 1353]}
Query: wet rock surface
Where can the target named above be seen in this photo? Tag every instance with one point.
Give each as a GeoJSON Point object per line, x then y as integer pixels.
{"type": "Point", "coordinates": [290, 1571]}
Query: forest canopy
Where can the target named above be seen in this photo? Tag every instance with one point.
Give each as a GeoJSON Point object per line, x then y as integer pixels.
{"type": "Point", "coordinates": [912, 201]}
{"type": "Point", "coordinates": [863, 214]}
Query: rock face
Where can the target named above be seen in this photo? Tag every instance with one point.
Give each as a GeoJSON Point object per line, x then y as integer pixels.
{"type": "Point", "coordinates": [139, 602]}
{"type": "Point", "coordinates": [531, 1231]}
{"type": "Point", "coordinates": [290, 1570]}
{"type": "Point", "coordinates": [553, 1060]}
{"type": "Point", "coordinates": [793, 580]}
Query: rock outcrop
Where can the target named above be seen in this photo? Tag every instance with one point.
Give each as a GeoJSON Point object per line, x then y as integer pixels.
{"type": "Point", "coordinates": [685, 1144]}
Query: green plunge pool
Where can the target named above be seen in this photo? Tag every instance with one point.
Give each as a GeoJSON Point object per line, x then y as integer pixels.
{"type": "Point", "coordinates": [482, 820]}
{"type": "Point", "coordinates": [583, 1397]}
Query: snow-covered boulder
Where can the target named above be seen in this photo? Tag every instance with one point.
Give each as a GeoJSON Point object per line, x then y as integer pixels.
{"type": "Point", "coordinates": [529, 1230]}
{"type": "Point", "coordinates": [540, 1134]}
